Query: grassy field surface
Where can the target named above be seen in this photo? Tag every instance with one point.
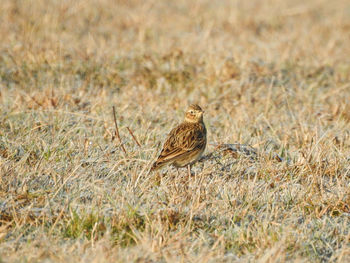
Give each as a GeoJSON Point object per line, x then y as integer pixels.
{"type": "Point", "coordinates": [273, 75]}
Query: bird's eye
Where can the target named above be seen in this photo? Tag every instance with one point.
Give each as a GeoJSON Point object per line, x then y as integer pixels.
{"type": "Point", "coordinates": [191, 111]}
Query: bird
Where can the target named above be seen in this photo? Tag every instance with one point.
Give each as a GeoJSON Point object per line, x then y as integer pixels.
{"type": "Point", "coordinates": [185, 143]}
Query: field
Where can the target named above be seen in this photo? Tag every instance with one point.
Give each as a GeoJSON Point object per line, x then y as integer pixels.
{"type": "Point", "coordinates": [273, 75]}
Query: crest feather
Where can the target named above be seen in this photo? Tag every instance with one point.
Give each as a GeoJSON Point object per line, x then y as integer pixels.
{"type": "Point", "coordinates": [195, 107]}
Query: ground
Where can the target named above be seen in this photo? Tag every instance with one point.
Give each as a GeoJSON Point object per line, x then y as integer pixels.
{"type": "Point", "coordinates": [273, 75]}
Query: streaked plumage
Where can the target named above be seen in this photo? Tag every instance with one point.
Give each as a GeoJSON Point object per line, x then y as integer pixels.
{"type": "Point", "coordinates": [186, 142]}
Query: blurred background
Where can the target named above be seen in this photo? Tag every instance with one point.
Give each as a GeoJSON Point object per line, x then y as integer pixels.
{"type": "Point", "coordinates": [147, 55]}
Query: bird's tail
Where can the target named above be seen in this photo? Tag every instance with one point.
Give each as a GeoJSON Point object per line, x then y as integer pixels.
{"type": "Point", "coordinates": [157, 165]}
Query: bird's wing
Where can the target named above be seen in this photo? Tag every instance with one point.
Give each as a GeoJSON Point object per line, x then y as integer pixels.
{"type": "Point", "coordinates": [181, 140]}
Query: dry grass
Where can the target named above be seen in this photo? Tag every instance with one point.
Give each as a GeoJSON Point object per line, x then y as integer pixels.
{"type": "Point", "coordinates": [272, 74]}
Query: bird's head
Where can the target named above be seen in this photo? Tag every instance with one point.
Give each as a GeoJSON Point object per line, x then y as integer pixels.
{"type": "Point", "coordinates": [194, 113]}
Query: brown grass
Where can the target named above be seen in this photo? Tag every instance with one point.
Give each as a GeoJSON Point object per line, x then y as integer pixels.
{"type": "Point", "coordinates": [272, 74]}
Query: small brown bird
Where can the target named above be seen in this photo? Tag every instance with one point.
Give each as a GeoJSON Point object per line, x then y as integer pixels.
{"type": "Point", "coordinates": [185, 143]}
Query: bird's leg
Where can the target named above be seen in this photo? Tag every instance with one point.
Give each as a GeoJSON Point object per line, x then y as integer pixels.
{"type": "Point", "coordinates": [189, 171]}
{"type": "Point", "coordinates": [175, 179]}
